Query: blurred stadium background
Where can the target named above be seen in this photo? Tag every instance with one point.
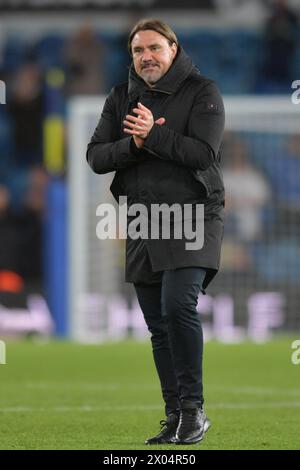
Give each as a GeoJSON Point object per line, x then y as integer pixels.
{"type": "Point", "coordinates": [58, 60]}
{"type": "Point", "coordinates": [55, 275]}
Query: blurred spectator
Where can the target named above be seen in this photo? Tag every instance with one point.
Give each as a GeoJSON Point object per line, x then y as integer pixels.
{"type": "Point", "coordinates": [284, 173]}
{"type": "Point", "coordinates": [30, 229]}
{"type": "Point", "coordinates": [247, 194]}
{"type": "Point", "coordinates": [281, 35]}
{"type": "Point", "coordinates": [10, 279]}
{"type": "Point", "coordinates": [25, 106]}
{"type": "Point", "coordinates": [2, 42]}
{"type": "Point", "coordinates": [283, 170]}
{"type": "Point", "coordinates": [236, 257]}
{"type": "Point", "coordinates": [84, 56]}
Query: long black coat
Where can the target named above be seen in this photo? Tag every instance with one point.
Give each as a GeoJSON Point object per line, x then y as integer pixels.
{"type": "Point", "coordinates": [179, 163]}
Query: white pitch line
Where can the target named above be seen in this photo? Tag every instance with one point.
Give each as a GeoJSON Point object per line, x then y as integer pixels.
{"type": "Point", "coordinates": [246, 406]}
{"type": "Point", "coordinates": [258, 390]}
{"type": "Point", "coordinates": [137, 386]}
{"type": "Point", "coordinates": [91, 386]}
{"type": "Point", "coordinates": [92, 408]}
{"type": "Point", "coordinates": [83, 408]}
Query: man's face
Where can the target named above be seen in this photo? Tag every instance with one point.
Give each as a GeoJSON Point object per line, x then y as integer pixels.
{"type": "Point", "coordinates": [152, 55]}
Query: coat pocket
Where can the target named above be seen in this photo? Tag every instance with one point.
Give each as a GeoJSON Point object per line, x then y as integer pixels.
{"type": "Point", "coordinates": [211, 179]}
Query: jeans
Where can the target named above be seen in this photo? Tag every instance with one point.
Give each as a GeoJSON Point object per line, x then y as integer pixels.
{"type": "Point", "coordinates": [170, 313]}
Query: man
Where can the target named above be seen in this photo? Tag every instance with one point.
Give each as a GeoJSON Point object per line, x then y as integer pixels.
{"type": "Point", "coordinates": [161, 133]}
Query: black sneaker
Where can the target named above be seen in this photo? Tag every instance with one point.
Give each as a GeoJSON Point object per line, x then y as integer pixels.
{"type": "Point", "coordinates": [168, 431]}
{"type": "Point", "coordinates": [193, 424]}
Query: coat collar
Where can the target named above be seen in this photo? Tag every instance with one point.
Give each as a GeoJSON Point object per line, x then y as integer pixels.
{"type": "Point", "coordinates": [169, 83]}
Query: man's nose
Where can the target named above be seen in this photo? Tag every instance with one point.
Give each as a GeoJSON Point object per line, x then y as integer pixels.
{"type": "Point", "coordinates": [147, 55]}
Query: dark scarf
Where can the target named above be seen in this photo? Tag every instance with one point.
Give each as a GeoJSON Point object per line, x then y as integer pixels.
{"type": "Point", "coordinates": [180, 69]}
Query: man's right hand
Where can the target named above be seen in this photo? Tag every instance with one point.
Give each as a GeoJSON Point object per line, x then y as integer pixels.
{"type": "Point", "coordinates": [139, 142]}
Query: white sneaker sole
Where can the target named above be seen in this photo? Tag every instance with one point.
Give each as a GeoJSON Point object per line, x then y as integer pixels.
{"type": "Point", "coordinates": [196, 440]}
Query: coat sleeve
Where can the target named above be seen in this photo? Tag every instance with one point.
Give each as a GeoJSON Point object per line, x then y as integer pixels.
{"type": "Point", "coordinates": [200, 146]}
{"type": "Point", "coordinates": [106, 151]}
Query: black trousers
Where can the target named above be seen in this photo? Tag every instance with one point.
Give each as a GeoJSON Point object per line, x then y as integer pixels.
{"type": "Point", "coordinates": [170, 312]}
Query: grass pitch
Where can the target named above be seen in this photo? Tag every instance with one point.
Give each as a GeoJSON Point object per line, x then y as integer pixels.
{"type": "Point", "coordinates": [61, 395]}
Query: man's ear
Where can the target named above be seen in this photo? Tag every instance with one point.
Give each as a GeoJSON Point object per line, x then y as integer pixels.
{"type": "Point", "coordinates": [174, 50]}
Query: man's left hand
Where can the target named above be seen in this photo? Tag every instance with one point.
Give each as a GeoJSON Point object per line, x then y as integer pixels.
{"type": "Point", "coordinates": [139, 126]}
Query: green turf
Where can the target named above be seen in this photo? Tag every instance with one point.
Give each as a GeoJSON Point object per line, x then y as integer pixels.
{"type": "Point", "coordinates": [67, 396]}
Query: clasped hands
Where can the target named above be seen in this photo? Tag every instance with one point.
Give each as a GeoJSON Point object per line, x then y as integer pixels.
{"type": "Point", "coordinates": [139, 126]}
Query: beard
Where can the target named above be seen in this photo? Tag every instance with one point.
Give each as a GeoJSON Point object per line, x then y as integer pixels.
{"type": "Point", "coordinates": [151, 74]}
